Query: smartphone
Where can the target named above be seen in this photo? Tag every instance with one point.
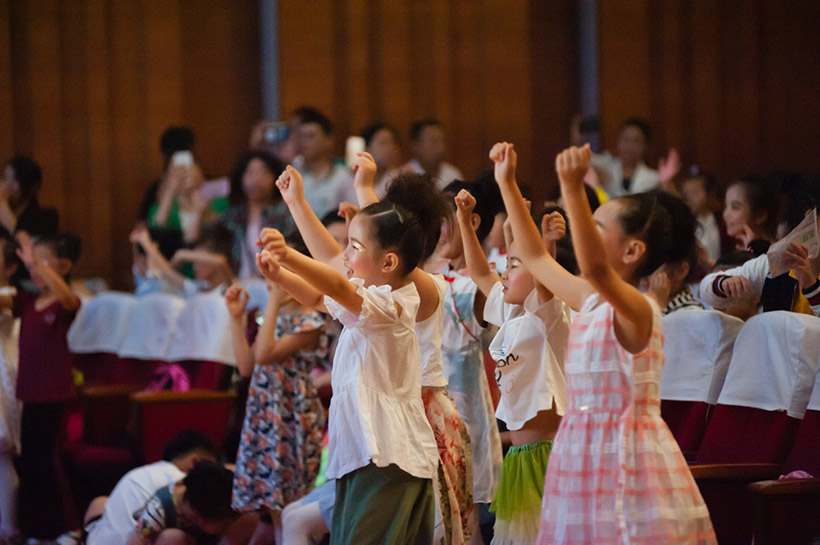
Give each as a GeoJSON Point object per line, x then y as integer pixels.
{"type": "Point", "coordinates": [353, 145]}
{"type": "Point", "coordinates": [276, 133]}
{"type": "Point", "coordinates": [183, 158]}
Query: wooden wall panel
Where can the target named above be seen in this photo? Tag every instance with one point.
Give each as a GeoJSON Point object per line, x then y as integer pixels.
{"type": "Point", "coordinates": [731, 83]}
{"type": "Point", "coordinates": [91, 86]}
{"type": "Point", "coordinates": [470, 64]}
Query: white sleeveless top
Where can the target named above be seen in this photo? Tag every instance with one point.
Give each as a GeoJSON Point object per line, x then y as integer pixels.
{"type": "Point", "coordinates": [429, 333]}
{"type": "Point", "coordinates": [530, 349]}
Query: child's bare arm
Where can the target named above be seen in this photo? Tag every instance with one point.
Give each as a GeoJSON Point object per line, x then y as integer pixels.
{"type": "Point", "coordinates": [633, 313]}
{"type": "Point", "coordinates": [236, 299]}
{"type": "Point", "coordinates": [297, 287]}
{"type": "Point", "coordinates": [156, 261]}
{"type": "Point", "coordinates": [480, 271]}
{"type": "Point", "coordinates": [566, 286]}
{"type": "Point", "coordinates": [319, 241]}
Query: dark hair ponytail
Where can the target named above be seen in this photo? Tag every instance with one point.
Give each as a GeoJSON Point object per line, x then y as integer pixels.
{"type": "Point", "coordinates": [646, 217]}
{"type": "Point", "coordinates": [409, 218]}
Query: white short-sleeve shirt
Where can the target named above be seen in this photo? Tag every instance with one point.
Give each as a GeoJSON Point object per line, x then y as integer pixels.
{"type": "Point", "coordinates": [529, 349]}
{"type": "Point", "coordinates": [376, 413]}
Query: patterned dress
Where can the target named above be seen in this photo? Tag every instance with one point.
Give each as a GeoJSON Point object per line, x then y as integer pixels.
{"type": "Point", "coordinates": [463, 354]}
{"type": "Point", "coordinates": [615, 474]}
{"type": "Point", "coordinates": [281, 442]}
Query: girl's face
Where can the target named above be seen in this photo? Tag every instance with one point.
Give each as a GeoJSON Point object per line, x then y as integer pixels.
{"type": "Point", "coordinates": [612, 234]}
{"type": "Point", "coordinates": [257, 181]}
{"type": "Point", "coordinates": [450, 245]}
{"type": "Point", "coordinates": [364, 258]}
{"type": "Point", "coordinates": [517, 281]}
{"type": "Point", "coordinates": [737, 212]}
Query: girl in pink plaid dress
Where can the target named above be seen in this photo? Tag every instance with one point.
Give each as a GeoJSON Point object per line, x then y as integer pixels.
{"type": "Point", "coordinates": [615, 474]}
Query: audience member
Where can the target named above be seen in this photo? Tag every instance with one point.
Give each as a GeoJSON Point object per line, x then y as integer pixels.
{"type": "Point", "coordinates": [750, 212]}
{"type": "Point", "coordinates": [255, 204]}
{"type": "Point", "coordinates": [627, 172]}
{"type": "Point", "coordinates": [381, 142]}
{"type": "Point", "coordinates": [699, 191]}
{"type": "Point", "coordinates": [19, 208]}
{"type": "Point", "coordinates": [429, 149]}
{"type": "Point", "coordinates": [327, 183]}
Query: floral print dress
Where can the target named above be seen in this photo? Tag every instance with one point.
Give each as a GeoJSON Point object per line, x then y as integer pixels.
{"type": "Point", "coordinates": [281, 442]}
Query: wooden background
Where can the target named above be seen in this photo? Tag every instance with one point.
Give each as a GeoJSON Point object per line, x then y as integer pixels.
{"type": "Point", "coordinates": [87, 86]}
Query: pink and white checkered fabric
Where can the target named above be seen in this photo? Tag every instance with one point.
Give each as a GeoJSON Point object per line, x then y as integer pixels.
{"type": "Point", "coordinates": [616, 474]}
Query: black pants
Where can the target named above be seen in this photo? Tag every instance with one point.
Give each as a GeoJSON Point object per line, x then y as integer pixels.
{"type": "Point", "coordinates": [41, 508]}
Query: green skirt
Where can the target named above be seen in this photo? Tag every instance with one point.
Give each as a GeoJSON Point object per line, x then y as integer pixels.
{"type": "Point", "coordinates": [517, 501]}
{"type": "Point", "coordinates": [376, 505]}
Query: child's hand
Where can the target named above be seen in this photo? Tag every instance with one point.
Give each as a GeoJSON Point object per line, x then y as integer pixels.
{"type": "Point", "coordinates": [572, 165]}
{"type": "Point", "coordinates": [236, 299]}
{"type": "Point", "coordinates": [274, 242]}
{"type": "Point", "coordinates": [746, 237]}
{"type": "Point", "coordinates": [365, 168]}
{"type": "Point", "coordinates": [347, 210]}
{"type": "Point", "coordinates": [735, 287]}
{"type": "Point", "coordinates": [26, 250]}
{"type": "Point", "coordinates": [465, 204]}
{"type": "Point", "coordinates": [505, 159]}
{"type": "Point", "coordinates": [660, 286]}
{"type": "Point", "coordinates": [553, 226]}
{"type": "Point", "coordinates": [268, 265]}
{"type": "Point", "coordinates": [290, 185]}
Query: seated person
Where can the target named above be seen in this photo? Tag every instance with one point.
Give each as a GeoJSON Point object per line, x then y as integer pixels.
{"type": "Point", "coordinates": [195, 510]}
{"type": "Point", "coordinates": [109, 520]}
{"type": "Point", "coordinates": [211, 259]}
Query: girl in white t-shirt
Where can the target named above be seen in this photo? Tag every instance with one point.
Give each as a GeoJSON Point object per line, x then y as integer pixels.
{"type": "Point", "coordinates": [529, 349]}
{"type": "Point", "coordinates": [382, 450]}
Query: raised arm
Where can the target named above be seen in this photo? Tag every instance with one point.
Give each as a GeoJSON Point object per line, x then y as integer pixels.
{"type": "Point", "coordinates": [297, 287]}
{"type": "Point", "coordinates": [365, 178]}
{"type": "Point", "coordinates": [53, 280]}
{"type": "Point", "coordinates": [156, 261]}
{"type": "Point", "coordinates": [564, 285]}
{"type": "Point", "coordinates": [236, 299]}
{"type": "Point", "coordinates": [633, 313]}
{"type": "Point", "coordinates": [268, 349]}
{"type": "Point", "coordinates": [319, 241]}
{"type": "Point", "coordinates": [320, 276]}
{"type": "Point", "coordinates": [480, 271]}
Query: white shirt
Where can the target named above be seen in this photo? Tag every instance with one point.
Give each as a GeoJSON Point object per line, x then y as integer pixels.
{"type": "Point", "coordinates": [643, 179]}
{"type": "Point", "coordinates": [446, 173]}
{"type": "Point", "coordinates": [324, 194]}
{"type": "Point", "coordinates": [376, 413]}
{"type": "Point", "coordinates": [130, 494]}
{"type": "Point", "coordinates": [530, 349]}
{"type": "Point", "coordinates": [429, 333]}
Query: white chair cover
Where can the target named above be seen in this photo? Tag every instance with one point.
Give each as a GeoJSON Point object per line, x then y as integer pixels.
{"type": "Point", "coordinates": [774, 364]}
{"type": "Point", "coordinates": [101, 323]}
{"type": "Point", "coordinates": [151, 326]}
{"type": "Point", "coordinates": [814, 400]}
{"type": "Point", "coordinates": [203, 330]}
{"type": "Point", "coordinates": [698, 348]}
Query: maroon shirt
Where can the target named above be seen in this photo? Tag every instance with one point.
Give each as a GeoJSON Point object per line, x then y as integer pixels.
{"type": "Point", "coordinates": [44, 374]}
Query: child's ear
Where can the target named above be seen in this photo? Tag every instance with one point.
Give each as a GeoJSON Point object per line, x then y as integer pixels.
{"type": "Point", "coordinates": [634, 251]}
{"type": "Point", "coordinates": [391, 262]}
{"type": "Point", "coordinates": [475, 221]}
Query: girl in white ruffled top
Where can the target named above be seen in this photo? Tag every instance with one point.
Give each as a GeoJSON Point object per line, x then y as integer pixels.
{"type": "Point", "coordinates": [382, 449]}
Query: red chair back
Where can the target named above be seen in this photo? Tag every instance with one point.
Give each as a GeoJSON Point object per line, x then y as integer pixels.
{"type": "Point", "coordinates": [687, 421]}
{"type": "Point", "coordinates": [747, 435]}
